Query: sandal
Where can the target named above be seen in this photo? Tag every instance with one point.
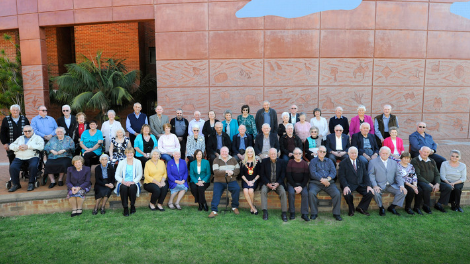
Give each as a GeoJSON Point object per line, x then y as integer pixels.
{"type": "Point", "coordinates": [178, 206]}
{"type": "Point", "coordinates": [103, 211]}
{"type": "Point", "coordinates": [95, 212]}
{"type": "Point", "coordinates": [171, 206]}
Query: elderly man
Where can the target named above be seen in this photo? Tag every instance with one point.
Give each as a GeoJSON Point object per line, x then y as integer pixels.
{"type": "Point", "coordinates": [383, 122]}
{"type": "Point", "coordinates": [197, 120]}
{"type": "Point", "coordinates": [298, 174]}
{"type": "Point", "coordinates": [353, 176]}
{"type": "Point", "coordinates": [26, 150]}
{"type": "Point", "coordinates": [339, 119]}
{"type": "Point", "coordinates": [293, 116]}
{"type": "Point", "coordinates": [429, 180]}
{"type": "Point", "coordinates": [216, 141]}
{"type": "Point", "coordinates": [135, 121]}
{"type": "Point", "coordinates": [179, 127]}
{"type": "Point", "coordinates": [157, 121]}
{"type": "Point", "coordinates": [12, 128]}
{"type": "Point", "coordinates": [337, 144]}
{"type": "Point", "coordinates": [240, 142]}
{"type": "Point", "coordinates": [273, 173]}
{"type": "Point", "coordinates": [365, 144]}
{"type": "Point", "coordinates": [226, 170]}
{"type": "Point", "coordinates": [44, 125]}
{"type": "Point", "coordinates": [67, 121]}
{"type": "Point", "coordinates": [419, 139]}
{"type": "Point", "coordinates": [264, 141]}
{"type": "Point", "coordinates": [322, 173]}
{"type": "Point", "coordinates": [385, 177]}
{"type": "Point", "coordinates": [289, 142]}
{"type": "Point", "coordinates": [266, 115]}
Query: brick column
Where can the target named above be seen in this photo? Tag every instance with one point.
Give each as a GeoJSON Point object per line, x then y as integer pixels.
{"type": "Point", "coordinates": [34, 63]}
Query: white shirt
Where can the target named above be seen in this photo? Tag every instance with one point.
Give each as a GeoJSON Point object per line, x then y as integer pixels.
{"type": "Point", "coordinates": [421, 159]}
{"type": "Point", "coordinates": [395, 150]}
{"type": "Point", "coordinates": [339, 143]}
{"type": "Point", "coordinates": [384, 162]}
{"type": "Point", "coordinates": [322, 126]}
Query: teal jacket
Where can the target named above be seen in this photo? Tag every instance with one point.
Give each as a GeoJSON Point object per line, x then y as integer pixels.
{"type": "Point", "coordinates": [139, 143]}
{"type": "Point", "coordinates": [233, 128]}
{"type": "Point", "coordinates": [205, 171]}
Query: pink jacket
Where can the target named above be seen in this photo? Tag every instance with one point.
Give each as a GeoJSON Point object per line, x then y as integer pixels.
{"type": "Point", "coordinates": [354, 126]}
{"type": "Point", "coordinates": [388, 143]}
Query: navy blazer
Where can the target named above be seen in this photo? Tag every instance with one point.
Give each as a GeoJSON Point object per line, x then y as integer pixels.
{"type": "Point", "coordinates": [99, 176]}
{"type": "Point", "coordinates": [331, 143]}
{"type": "Point", "coordinates": [236, 143]}
{"type": "Point", "coordinates": [358, 142]}
{"type": "Point", "coordinates": [211, 147]}
{"type": "Point", "coordinates": [348, 177]}
{"type": "Point", "coordinates": [68, 131]}
{"type": "Point", "coordinates": [274, 142]}
{"type": "Point", "coordinates": [266, 171]}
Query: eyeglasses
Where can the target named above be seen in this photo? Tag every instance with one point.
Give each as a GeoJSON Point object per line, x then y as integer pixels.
{"type": "Point", "coordinates": [293, 108]}
{"type": "Point", "coordinates": [322, 151]}
{"type": "Point", "coordinates": [44, 110]}
{"type": "Point", "coordinates": [297, 153]}
{"type": "Point", "coordinates": [422, 127]}
{"type": "Point", "coordinates": [196, 130]}
{"type": "Point", "coordinates": [338, 130]}
{"type": "Point", "coordinates": [454, 156]}
{"type": "Point", "coordinates": [245, 110]}
{"type": "Point", "coordinates": [27, 131]}
{"type": "Point", "coordinates": [65, 110]}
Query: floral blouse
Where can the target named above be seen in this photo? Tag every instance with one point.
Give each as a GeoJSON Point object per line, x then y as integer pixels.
{"type": "Point", "coordinates": [118, 149]}
{"type": "Point", "coordinates": [249, 123]}
{"type": "Point", "coordinates": [408, 173]}
{"type": "Point", "coordinates": [55, 144]}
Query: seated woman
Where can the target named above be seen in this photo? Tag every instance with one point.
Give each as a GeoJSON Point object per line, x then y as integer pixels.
{"type": "Point", "coordinates": [59, 150]}
{"type": "Point", "coordinates": [91, 142]}
{"type": "Point", "coordinates": [356, 122]}
{"type": "Point", "coordinates": [154, 182]}
{"type": "Point", "coordinates": [128, 175]}
{"type": "Point", "coordinates": [454, 173]}
{"type": "Point", "coordinates": [168, 143]}
{"type": "Point", "coordinates": [394, 143]}
{"type": "Point", "coordinates": [282, 126]}
{"type": "Point", "coordinates": [229, 125]}
{"type": "Point", "coordinates": [407, 171]}
{"type": "Point", "coordinates": [177, 172]}
{"type": "Point", "coordinates": [104, 183]}
{"type": "Point", "coordinates": [311, 144]}
{"type": "Point", "coordinates": [80, 127]}
{"type": "Point", "coordinates": [144, 143]}
{"type": "Point", "coordinates": [302, 128]}
{"type": "Point", "coordinates": [319, 122]}
{"type": "Point", "coordinates": [109, 129]}
{"type": "Point", "coordinates": [78, 184]}
{"type": "Point", "coordinates": [200, 173]}
{"type": "Point", "coordinates": [248, 121]}
{"type": "Point", "coordinates": [250, 171]}
{"type": "Point", "coordinates": [194, 143]}
{"type": "Point", "coordinates": [117, 147]}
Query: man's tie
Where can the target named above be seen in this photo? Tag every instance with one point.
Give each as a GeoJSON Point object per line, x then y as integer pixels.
{"type": "Point", "coordinates": [354, 164]}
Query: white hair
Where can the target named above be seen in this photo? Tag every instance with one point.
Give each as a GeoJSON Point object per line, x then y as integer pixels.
{"type": "Point", "coordinates": [361, 107]}
{"type": "Point", "coordinates": [364, 124]}
{"type": "Point", "coordinates": [266, 124]}
{"type": "Point", "coordinates": [195, 126]}
{"type": "Point", "coordinates": [68, 106]}
{"type": "Point", "coordinates": [104, 156]}
{"type": "Point", "coordinates": [284, 114]}
{"type": "Point", "coordinates": [111, 111]}
{"type": "Point", "coordinates": [339, 108]}
{"type": "Point", "coordinates": [385, 148]}
{"type": "Point", "coordinates": [289, 125]}
{"type": "Point", "coordinates": [15, 106]}
{"type": "Point", "coordinates": [351, 149]}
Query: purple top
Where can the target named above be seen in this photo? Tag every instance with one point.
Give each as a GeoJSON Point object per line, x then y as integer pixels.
{"type": "Point", "coordinates": [355, 125]}
{"type": "Point", "coordinates": [78, 178]}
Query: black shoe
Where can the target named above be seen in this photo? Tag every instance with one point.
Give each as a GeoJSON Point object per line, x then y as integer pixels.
{"type": "Point", "coordinates": [351, 212]}
{"type": "Point", "coordinates": [265, 214]}
{"type": "Point", "coordinates": [409, 211]}
{"type": "Point", "coordinates": [418, 211]}
{"type": "Point", "coordinates": [52, 185]}
{"type": "Point", "coordinates": [338, 217]}
{"type": "Point", "coordinates": [292, 216]}
{"type": "Point", "coordinates": [200, 207]}
{"type": "Point", "coordinates": [305, 217]}
{"type": "Point", "coordinates": [362, 211]}
{"type": "Point", "coordinates": [459, 209]}
{"type": "Point", "coordinates": [382, 211]}
{"type": "Point", "coordinates": [126, 211]}
{"type": "Point", "coordinates": [153, 209]}
{"type": "Point", "coordinates": [14, 187]}
{"type": "Point", "coordinates": [439, 207]}
{"type": "Point", "coordinates": [95, 212]}
{"type": "Point", "coordinates": [61, 183]}
{"type": "Point", "coordinates": [284, 216]}
{"type": "Point", "coordinates": [73, 214]}
{"type": "Point", "coordinates": [205, 207]}
{"type": "Point", "coordinates": [313, 217]}
{"type": "Point", "coordinates": [132, 209]}
{"type": "Point", "coordinates": [103, 211]}
{"type": "Point", "coordinates": [427, 209]}
{"type": "Point", "coordinates": [30, 186]}
{"type": "Point", "coordinates": [160, 209]}
{"type": "Point", "coordinates": [393, 211]}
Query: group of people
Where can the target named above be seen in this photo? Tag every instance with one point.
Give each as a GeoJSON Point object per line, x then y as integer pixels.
{"type": "Point", "coordinates": [291, 157]}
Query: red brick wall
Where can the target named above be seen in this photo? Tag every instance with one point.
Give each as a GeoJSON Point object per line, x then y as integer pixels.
{"type": "Point", "coordinates": [51, 46]}
{"type": "Point", "coordinates": [9, 48]}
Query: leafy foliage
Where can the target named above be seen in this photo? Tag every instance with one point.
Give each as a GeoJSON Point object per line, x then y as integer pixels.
{"type": "Point", "coordinates": [11, 81]}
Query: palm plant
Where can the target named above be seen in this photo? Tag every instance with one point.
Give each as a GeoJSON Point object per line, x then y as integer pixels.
{"type": "Point", "coordinates": [96, 84]}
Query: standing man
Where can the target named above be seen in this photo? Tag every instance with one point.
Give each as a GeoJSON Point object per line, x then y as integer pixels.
{"type": "Point", "coordinates": [135, 121]}
{"type": "Point", "coordinates": [293, 116]}
{"type": "Point", "coordinates": [44, 125]}
{"type": "Point", "coordinates": [12, 128]}
{"type": "Point", "coordinates": [266, 115]}
{"type": "Point", "coordinates": [419, 139]}
{"type": "Point", "coordinates": [179, 127]}
{"type": "Point", "coordinates": [383, 122]}
{"type": "Point", "coordinates": [67, 121]}
{"type": "Point", "coordinates": [157, 121]}
{"type": "Point", "coordinates": [339, 119]}
{"type": "Point", "coordinates": [197, 120]}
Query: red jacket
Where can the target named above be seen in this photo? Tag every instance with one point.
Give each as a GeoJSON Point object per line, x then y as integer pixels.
{"type": "Point", "coordinates": [388, 142]}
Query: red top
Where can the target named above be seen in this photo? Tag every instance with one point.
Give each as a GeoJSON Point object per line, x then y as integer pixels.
{"type": "Point", "coordinates": [389, 143]}
{"type": "Point", "coordinates": [81, 128]}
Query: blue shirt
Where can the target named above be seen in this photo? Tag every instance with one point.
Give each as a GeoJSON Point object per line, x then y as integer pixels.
{"type": "Point", "coordinates": [104, 171]}
{"type": "Point", "coordinates": [242, 141]}
{"type": "Point", "coordinates": [219, 141]}
{"type": "Point", "coordinates": [129, 170]}
{"type": "Point", "coordinates": [321, 169]}
{"type": "Point", "coordinates": [68, 121]}
{"type": "Point", "coordinates": [376, 126]}
{"type": "Point", "coordinates": [43, 126]}
{"type": "Point", "coordinates": [267, 117]}
{"type": "Point", "coordinates": [180, 127]}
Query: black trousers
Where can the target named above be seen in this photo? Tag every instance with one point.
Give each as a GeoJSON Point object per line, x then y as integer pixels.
{"type": "Point", "coordinates": [128, 193]}
{"type": "Point", "coordinates": [88, 156]}
{"type": "Point", "coordinates": [455, 195]}
{"type": "Point", "coordinates": [10, 155]}
{"type": "Point", "coordinates": [365, 201]}
{"type": "Point", "coordinates": [410, 196]}
{"type": "Point", "coordinates": [132, 138]}
{"type": "Point", "coordinates": [158, 194]}
{"type": "Point", "coordinates": [199, 192]}
{"type": "Point", "coordinates": [425, 194]}
{"type": "Point", "coordinates": [143, 160]}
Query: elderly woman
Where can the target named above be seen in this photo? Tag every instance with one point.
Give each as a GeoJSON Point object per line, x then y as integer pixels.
{"type": "Point", "coordinates": [59, 150]}
{"type": "Point", "coordinates": [154, 182]}
{"type": "Point", "coordinates": [454, 173]}
{"type": "Point", "coordinates": [168, 143]}
{"type": "Point", "coordinates": [311, 144]}
{"type": "Point", "coordinates": [128, 175]}
{"type": "Point", "coordinates": [200, 173]}
{"type": "Point", "coordinates": [248, 121]}
{"type": "Point", "coordinates": [104, 183]}
{"type": "Point", "coordinates": [194, 143]}
{"type": "Point", "coordinates": [407, 172]}
{"type": "Point", "coordinates": [78, 184]}
{"type": "Point", "coordinates": [250, 171]}
{"type": "Point", "coordinates": [229, 125]}
{"type": "Point", "coordinates": [117, 147]}
{"type": "Point", "coordinates": [144, 143]}
{"type": "Point", "coordinates": [90, 142]}
{"type": "Point", "coordinates": [282, 126]}
{"type": "Point", "coordinates": [109, 129]}
{"type": "Point", "coordinates": [361, 117]}
{"type": "Point", "coordinates": [394, 143]}
{"type": "Point", "coordinates": [177, 179]}
{"type": "Point", "coordinates": [80, 127]}
{"type": "Point", "coordinates": [319, 122]}
{"type": "Point", "coordinates": [302, 128]}
{"type": "Point", "coordinates": [209, 125]}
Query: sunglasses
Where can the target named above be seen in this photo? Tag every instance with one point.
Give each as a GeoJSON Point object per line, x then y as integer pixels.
{"type": "Point", "coordinates": [196, 130]}
{"type": "Point", "coordinates": [297, 153]}
{"type": "Point", "coordinates": [245, 110]}
{"type": "Point", "coordinates": [422, 127]}
{"type": "Point", "coordinates": [322, 151]}
{"type": "Point", "coordinates": [27, 131]}
{"type": "Point", "coordinates": [338, 130]}
{"type": "Point", "coordinates": [43, 110]}
{"type": "Point", "coordinates": [65, 110]}
{"type": "Point", "coordinates": [293, 108]}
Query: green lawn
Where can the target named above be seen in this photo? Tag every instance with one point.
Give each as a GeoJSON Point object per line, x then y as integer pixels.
{"type": "Point", "coordinates": [188, 236]}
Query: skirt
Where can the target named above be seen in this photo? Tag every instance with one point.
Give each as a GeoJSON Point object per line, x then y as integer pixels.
{"type": "Point", "coordinates": [79, 194]}
{"type": "Point", "coordinates": [245, 186]}
{"type": "Point", "coordinates": [102, 191]}
{"type": "Point", "coordinates": [59, 165]}
{"type": "Point", "coordinates": [179, 187]}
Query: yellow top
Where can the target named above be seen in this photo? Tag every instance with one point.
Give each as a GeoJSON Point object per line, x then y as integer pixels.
{"type": "Point", "coordinates": [152, 172]}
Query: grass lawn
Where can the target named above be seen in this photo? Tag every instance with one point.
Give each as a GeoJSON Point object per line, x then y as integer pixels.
{"type": "Point", "coordinates": [188, 236]}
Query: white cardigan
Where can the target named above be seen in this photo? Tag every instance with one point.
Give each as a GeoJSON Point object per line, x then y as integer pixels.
{"type": "Point", "coordinates": [35, 143]}
{"type": "Point", "coordinates": [106, 130]}
{"type": "Point", "coordinates": [121, 174]}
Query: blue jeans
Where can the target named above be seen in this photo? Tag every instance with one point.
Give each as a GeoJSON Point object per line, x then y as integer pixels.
{"type": "Point", "coordinates": [167, 157]}
{"type": "Point", "coordinates": [15, 169]}
{"type": "Point", "coordinates": [219, 188]}
{"type": "Point", "coordinates": [285, 157]}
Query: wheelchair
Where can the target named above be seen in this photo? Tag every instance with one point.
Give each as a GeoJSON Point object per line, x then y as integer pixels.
{"type": "Point", "coordinates": [24, 174]}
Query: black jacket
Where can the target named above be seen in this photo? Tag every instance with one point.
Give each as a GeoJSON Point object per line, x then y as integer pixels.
{"type": "Point", "coordinates": [68, 131]}
{"type": "Point", "coordinates": [283, 144]}
{"type": "Point", "coordinates": [274, 142]}
{"type": "Point", "coordinates": [17, 129]}
{"type": "Point", "coordinates": [266, 171]}
{"type": "Point", "coordinates": [173, 129]}
{"type": "Point", "coordinates": [75, 135]}
{"type": "Point", "coordinates": [99, 181]}
{"type": "Point", "coordinates": [212, 143]}
{"type": "Point", "coordinates": [259, 120]}
{"type": "Point", "coordinates": [331, 143]}
{"type": "Point", "coordinates": [236, 143]}
{"type": "Point", "coordinates": [358, 142]}
{"type": "Point", "coordinates": [348, 177]}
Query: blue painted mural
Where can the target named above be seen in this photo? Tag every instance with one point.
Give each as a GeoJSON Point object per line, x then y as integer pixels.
{"type": "Point", "coordinates": [293, 8]}
{"type": "Point", "coordinates": [461, 9]}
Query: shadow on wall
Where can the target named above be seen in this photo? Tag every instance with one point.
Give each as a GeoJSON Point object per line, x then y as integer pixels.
{"type": "Point", "coordinates": [461, 9]}
{"type": "Point", "coordinates": [293, 8]}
